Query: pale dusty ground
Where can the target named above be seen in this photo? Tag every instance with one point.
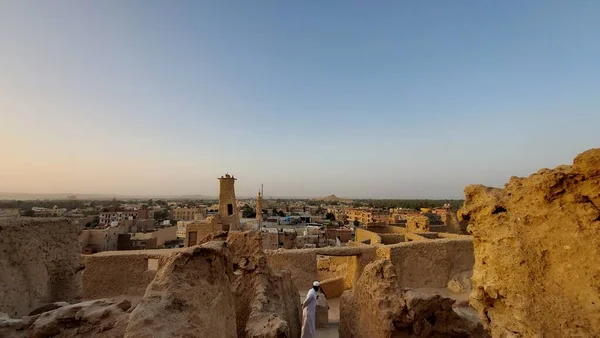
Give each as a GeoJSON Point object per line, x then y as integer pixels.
{"type": "Point", "coordinates": [334, 317]}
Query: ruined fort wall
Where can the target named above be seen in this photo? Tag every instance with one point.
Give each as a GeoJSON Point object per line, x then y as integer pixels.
{"type": "Point", "coordinates": [39, 263]}
{"type": "Point", "coordinates": [361, 235]}
{"type": "Point", "coordinates": [388, 229]}
{"type": "Point", "coordinates": [331, 267]}
{"type": "Point", "coordinates": [302, 263]}
{"type": "Point", "coordinates": [537, 245]}
{"type": "Point", "coordinates": [392, 238]}
{"type": "Point", "coordinates": [115, 273]}
{"type": "Point", "coordinates": [430, 263]}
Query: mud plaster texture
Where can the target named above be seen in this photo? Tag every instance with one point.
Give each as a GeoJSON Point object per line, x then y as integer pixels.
{"type": "Point", "coordinates": [219, 289]}
{"type": "Point", "coordinates": [39, 263]}
{"type": "Point", "coordinates": [331, 267]}
{"type": "Point", "coordinates": [302, 263]}
{"type": "Point", "coordinates": [418, 223]}
{"type": "Point", "coordinates": [431, 264]}
{"type": "Point", "coordinates": [120, 273]}
{"type": "Point", "coordinates": [377, 307]}
{"type": "Point", "coordinates": [101, 318]}
{"type": "Point", "coordinates": [190, 296]}
{"type": "Point", "coordinates": [266, 302]}
{"type": "Point", "coordinates": [537, 252]}
{"type": "Point", "coordinates": [322, 313]}
{"type": "Point", "coordinates": [366, 236]}
{"type": "Point", "coordinates": [333, 287]}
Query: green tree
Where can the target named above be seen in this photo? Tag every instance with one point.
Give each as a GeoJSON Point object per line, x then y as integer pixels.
{"type": "Point", "coordinates": [330, 216]}
{"type": "Point", "coordinates": [248, 211]}
{"type": "Point", "coordinates": [29, 213]}
{"type": "Point", "coordinates": [161, 215]}
{"type": "Point", "coordinates": [356, 222]}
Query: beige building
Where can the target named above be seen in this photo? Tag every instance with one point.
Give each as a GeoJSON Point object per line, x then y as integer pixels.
{"type": "Point", "coordinates": [181, 228]}
{"type": "Point", "coordinates": [154, 239]}
{"type": "Point", "coordinates": [270, 239]}
{"type": "Point", "coordinates": [339, 213]}
{"type": "Point", "coordinates": [197, 230]}
{"type": "Point", "coordinates": [188, 214]}
{"type": "Point", "coordinates": [98, 240]}
{"type": "Point", "coordinates": [106, 218]}
{"type": "Point", "coordinates": [400, 215]}
{"type": "Point", "coordinates": [368, 216]}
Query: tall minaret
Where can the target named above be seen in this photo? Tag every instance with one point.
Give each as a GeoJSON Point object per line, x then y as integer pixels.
{"type": "Point", "coordinates": [227, 204]}
{"type": "Point", "coordinates": [259, 199]}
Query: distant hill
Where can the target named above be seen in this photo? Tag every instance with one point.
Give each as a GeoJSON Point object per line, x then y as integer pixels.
{"type": "Point", "coordinates": [331, 198]}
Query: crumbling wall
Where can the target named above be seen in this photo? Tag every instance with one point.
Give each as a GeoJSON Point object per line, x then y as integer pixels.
{"type": "Point", "coordinates": [537, 250]}
{"type": "Point", "coordinates": [189, 297]}
{"type": "Point", "coordinates": [332, 267]}
{"type": "Point", "coordinates": [267, 303]}
{"type": "Point", "coordinates": [431, 263]}
{"type": "Point", "coordinates": [417, 223]}
{"type": "Point", "coordinates": [378, 308]}
{"type": "Point", "coordinates": [116, 273]}
{"type": "Point", "coordinates": [100, 318]}
{"type": "Point", "coordinates": [333, 287]}
{"type": "Point", "coordinates": [387, 239]}
{"type": "Point", "coordinates": [322, 311]}
{"type": "Point", "coordinates": [369, 237]}
{"type": "Point", "coordinates": [302, 263]}
{"type": "Point", "coordinates": [454, 224]}
{"type": "Point", "coordinates": [355, 258]}
{"type": "Point", "coordinates": [39, 263]}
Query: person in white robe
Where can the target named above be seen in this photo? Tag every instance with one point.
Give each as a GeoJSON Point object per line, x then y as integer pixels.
{"type": "Point", "coordinates": [309, 311]}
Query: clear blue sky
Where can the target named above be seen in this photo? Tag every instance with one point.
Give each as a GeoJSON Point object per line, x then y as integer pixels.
{"type": "Point", "coordinates": [387, 99]}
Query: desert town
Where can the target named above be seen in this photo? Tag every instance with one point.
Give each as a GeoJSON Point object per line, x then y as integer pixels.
{"type": "Point", "coordinates": [521, 261]}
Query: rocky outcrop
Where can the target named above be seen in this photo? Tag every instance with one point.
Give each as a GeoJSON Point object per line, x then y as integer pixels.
{"type": "Point", "coordinates": [537, 251]}
{"type": "Point", "coordinates": [267, 303]}
{"type": "Point", "coordinates": [39, 263]}
{"type": "Point", "coordinates": [378, 308]}
{"type": "Point", "coordinates": [190, 296]}
{"type": "Point", "coordinates": [103, 318]}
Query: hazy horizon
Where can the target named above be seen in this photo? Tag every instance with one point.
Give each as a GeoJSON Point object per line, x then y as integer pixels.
{"type": "Point", "coordinates": [382, 100]}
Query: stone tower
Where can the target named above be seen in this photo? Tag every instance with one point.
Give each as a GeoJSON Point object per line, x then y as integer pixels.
{"type": "Point", "coordinates": [227, 204]}
{"type": "Point", "coordinates": [259, 199]}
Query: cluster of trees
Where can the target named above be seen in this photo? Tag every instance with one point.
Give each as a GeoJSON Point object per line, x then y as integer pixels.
{"type": "Point", "coordinates": [248, 211]}
{"type": "Point", "coordinates": [416, 204]}
{"type": "Point", "coordinates": [279, 213]}
{"type": "Point", "coordinates": [152, 203]}
{"type": "Point", "coordinates": [161, 215]}
{"type": "Point", "coordinates": [25, 206]}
